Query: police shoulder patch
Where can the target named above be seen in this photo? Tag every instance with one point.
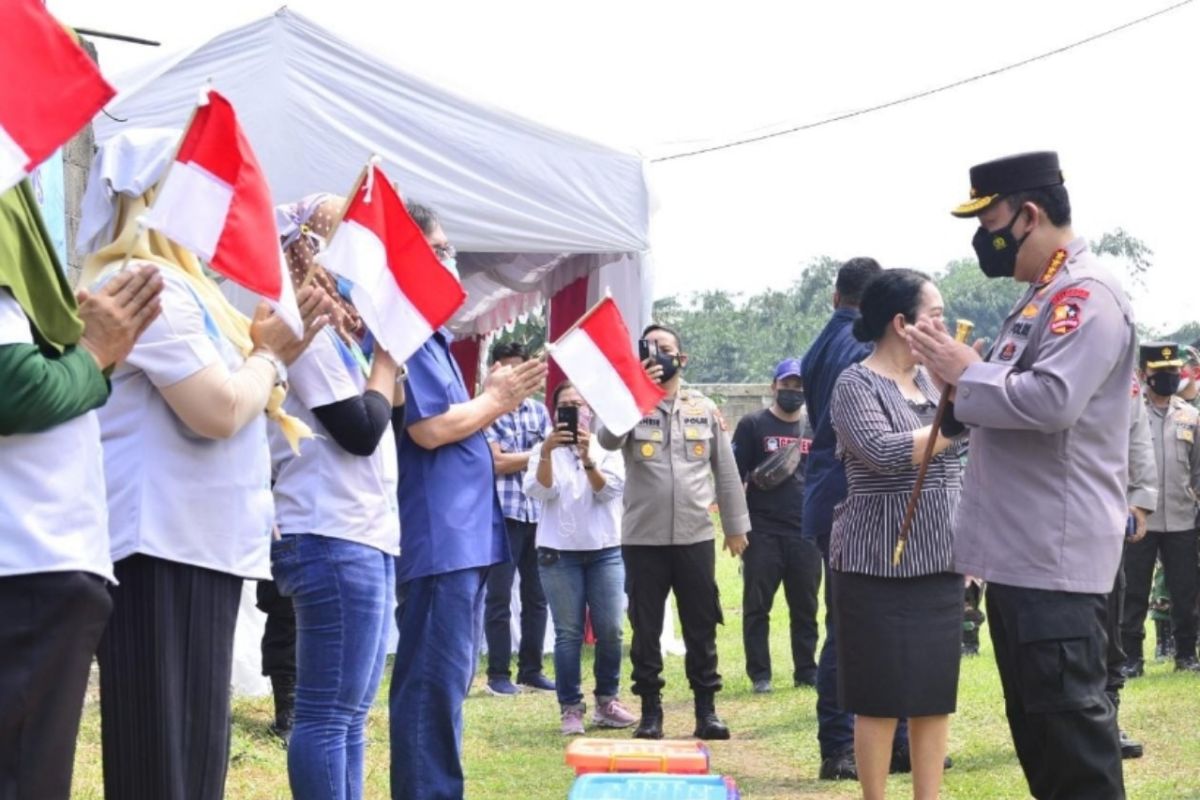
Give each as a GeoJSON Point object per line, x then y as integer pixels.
{"type": "Point", "coordinates": [1065, 317]}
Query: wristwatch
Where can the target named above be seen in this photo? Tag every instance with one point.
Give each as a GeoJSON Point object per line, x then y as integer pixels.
{"type": "Point", "coordinates": [276, 362]}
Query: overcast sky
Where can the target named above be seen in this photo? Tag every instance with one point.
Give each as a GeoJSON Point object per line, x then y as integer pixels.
{"type": "Point", "coordinates": [662, 77]}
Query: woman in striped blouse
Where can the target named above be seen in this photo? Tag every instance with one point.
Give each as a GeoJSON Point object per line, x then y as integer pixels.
{"type": "Point", "coordinates": [898, 626]}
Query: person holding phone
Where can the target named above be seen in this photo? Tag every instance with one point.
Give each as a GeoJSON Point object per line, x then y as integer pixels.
{"type": "Point", "coordinates": [579, 485]}
{"type": "Point", "coordinates": [679, 461]}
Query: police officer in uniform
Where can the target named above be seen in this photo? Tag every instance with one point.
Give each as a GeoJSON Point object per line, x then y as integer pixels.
{"type": "Point", "coordinates": [678, 459]}
{"type": "Point", "coordinates": [1044, 505]}
{"type": "Point", "coordinates": [1172, 535]}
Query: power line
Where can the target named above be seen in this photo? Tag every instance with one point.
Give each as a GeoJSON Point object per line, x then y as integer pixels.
{"type": "Point", "coordinates": [923, 94]}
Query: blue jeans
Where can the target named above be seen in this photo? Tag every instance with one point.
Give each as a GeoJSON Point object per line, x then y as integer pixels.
{"type": "Point", "coordinates": [575, 580]}
{"type": "Point", "coordinates": [835, 727]}
{"type": "Point", "coordinates": [439, 620]}
{"type": "Point", "coordinates": [342, 593]}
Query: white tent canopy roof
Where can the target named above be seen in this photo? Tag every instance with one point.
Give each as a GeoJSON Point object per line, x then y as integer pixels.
{"type": "Point", "coordinates": [315, 108]}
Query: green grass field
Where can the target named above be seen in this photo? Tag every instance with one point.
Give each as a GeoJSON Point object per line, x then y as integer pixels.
{"type": "Point", "coordinates": [514, 751]}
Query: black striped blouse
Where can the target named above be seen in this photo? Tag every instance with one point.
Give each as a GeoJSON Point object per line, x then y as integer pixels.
{"type": "Point", "coordinates": [874, 424]}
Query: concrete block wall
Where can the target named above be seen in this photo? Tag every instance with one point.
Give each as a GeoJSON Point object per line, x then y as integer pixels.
{"type": "Point", "coordinates": [737, 399]}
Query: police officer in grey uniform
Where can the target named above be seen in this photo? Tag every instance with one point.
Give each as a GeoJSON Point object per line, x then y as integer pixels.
{"type": "Point", "coordinates": [1142, 494]}
{"type": "Point", "coordinates": [1172, 536]}
{"type": "Point", "coordinates": [678, 459]}
{"type": "Point", "coordinates": [1044, 505]}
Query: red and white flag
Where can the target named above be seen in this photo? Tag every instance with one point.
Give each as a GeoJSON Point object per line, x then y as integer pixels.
{"type": "Point", "coordinates": [598, 358]}
{"type": "Point", "coordinates": [50, 88]}
{"type": "Point", "coordinates": [400, 289]}
{"type": "Point", "coordinates": [215, 202]}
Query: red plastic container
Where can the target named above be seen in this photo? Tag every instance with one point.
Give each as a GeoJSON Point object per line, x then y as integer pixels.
{"type": "Point", "coordinates": [638, 755]}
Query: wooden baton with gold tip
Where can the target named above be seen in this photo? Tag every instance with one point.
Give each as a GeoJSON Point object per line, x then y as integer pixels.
{"type": "Point", "coordinates": [962, 329]}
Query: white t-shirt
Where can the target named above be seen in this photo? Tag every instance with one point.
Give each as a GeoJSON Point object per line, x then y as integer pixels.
{"type": "Point", "coordinates": [574, 517]}
{"type": "Point", "coordinates": [52, 512]}
{"type": "Point", "coordinates": [172, 493]}
{"type": "Point", "coordinates": [327, 490]}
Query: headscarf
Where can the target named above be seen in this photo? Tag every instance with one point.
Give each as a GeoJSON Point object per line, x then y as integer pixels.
{"type": "Point", "coordinates": [127, 241]}
{"type": "Point", "coordinates": [29, 269]}
{"type": "Point", "coordinates": [305, 228]}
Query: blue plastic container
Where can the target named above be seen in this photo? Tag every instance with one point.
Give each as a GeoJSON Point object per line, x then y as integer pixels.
{"type": "Point", "coordinates": [652, 786]}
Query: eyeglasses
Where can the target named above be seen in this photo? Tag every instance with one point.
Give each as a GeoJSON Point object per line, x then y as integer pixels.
{"type": "Point", "coordinates": [444, 251]}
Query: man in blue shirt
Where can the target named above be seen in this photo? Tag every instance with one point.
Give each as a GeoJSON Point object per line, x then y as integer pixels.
{"type": "Point", "coordinates": [834, 349]}
{"type": "Point", "coordinates": [452, 531]}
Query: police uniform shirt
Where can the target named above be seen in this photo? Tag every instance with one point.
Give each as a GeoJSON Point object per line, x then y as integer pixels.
{"type": "Point", "coordinates": [1143, 467]}
{"type": "Point", "coordinates": [1044, 498]}
{"type": "Point", "coordinates": [678, 459]}
{"type": "Point", "coordinates": [1173, 431]}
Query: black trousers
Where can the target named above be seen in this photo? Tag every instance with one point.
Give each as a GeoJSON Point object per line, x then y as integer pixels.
{"type": "Point", "coordinates": [279, 634]}
{"type": "Point", "coordinates": [651, 571]}
{"type": "Point", "coordinates": [49, 628]}
{"type": "Point", "coordinates": [166, 662]}
{"type": "Point", "coordinates": [497, 611]}
{"type": "Point", "coordinates": [1051, 653]}
{"type": "Point", "coordinates": [1177, 550]}
{"type": "Point", "coordinates": [796, 563]}
{"type": "Point", "coordinates": [1114, 613]}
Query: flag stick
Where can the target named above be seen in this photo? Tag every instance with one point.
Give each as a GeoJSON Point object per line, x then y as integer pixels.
{"type": "Point", "coordinates": [962, 330]}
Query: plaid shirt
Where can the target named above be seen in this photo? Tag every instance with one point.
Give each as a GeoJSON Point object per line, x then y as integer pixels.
{"type": "Point", "coordinates": [519, 432]}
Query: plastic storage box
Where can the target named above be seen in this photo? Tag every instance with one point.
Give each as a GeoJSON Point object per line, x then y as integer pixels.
{"type": "Point", "coordinates": [653, 787]}
{"type": "Point", "coordinates": [638, 755]}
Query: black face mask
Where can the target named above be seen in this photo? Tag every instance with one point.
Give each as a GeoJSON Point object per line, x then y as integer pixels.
{"type": "Point", "coordinates": [1164, 384]}
{"type": "Point", "coordinates": [669, 363]}
{"type": "Point", "coordinates": [997, 250]}
{"type": "Point", "coordinates": [789, 400]}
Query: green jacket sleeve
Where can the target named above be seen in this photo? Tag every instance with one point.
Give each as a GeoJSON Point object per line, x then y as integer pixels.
{"type": "Point", "coordinates": [38, 392]}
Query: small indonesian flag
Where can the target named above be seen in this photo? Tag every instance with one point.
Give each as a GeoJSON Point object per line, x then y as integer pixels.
{"type": "Point", "coordinates": [215, 202]}
{"type": "Point", "coordinates": [50, 88]}
{"type": "Point", "coordinates": [400, 289]}
{"type": "Point", "coordinates": [598, 358]}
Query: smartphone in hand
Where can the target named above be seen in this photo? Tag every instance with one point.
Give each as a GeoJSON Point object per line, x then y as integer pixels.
{"type": "Point", "coordinates": [569, 416]}
{"type": "Point", "coordinates": [647, 350]}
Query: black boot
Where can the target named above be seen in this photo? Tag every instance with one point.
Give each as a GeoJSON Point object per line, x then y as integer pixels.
{"type": "Point", "coordinates": [650, 726]}
{"type": "Point", "coordinates": [708, 724]}
{"type": "Point", "coordinates": [284, 689]}
{"type": "Point", "coordinates": [1164, 642]}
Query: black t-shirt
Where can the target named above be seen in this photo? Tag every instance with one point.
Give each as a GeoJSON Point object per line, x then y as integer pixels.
{"type": "Point", "coordinates": [777, 511]}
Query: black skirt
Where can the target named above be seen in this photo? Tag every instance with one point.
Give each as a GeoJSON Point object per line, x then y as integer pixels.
{"type": "Point", "coordinates": [899, 643]}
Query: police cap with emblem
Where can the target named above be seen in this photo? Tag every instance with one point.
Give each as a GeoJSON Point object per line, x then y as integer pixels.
{"type": "Point", "coordinates": [993, 180]}
{"type": "Point", "coordinates": [1156, 355]}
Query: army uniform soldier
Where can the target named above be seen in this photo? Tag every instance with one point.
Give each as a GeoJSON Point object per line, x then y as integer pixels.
{"type": "Point", "coordinates": [1044, 504]}
{"type": "Point", "coordinates": [1171, 529]}
{"type": "Point", "coordinates": [676, 459]}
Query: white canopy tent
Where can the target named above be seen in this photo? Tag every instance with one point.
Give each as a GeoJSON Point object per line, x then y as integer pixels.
{"type": "Point", "coordinates": [530, 209]}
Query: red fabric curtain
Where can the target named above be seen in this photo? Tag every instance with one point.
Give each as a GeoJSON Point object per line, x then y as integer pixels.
{"type": "Point", "coordinates": [466, 353]}
{"type": "Point", "coordinates": [566, 307]}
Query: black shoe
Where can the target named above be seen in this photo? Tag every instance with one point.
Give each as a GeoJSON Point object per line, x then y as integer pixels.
{"type": "Point", "coordinates": [841, 767]}
{"type": "Point", "coordinates": [1130, 748]}
{"type": "Point", "coordinates": [650, 726]}
{"type": "Point", "coordinates": [1133, 668]}
{"type": "Point", "coordinates": [807, 682]}
{"type": "Point", "coordinates": [902, 761]}
{"type": "Point", "coordinates": [1187, 664]}
{"type": "Point", "coordinates": [708, 724]}
{"type": "Point", "coordinates": [283, 687]}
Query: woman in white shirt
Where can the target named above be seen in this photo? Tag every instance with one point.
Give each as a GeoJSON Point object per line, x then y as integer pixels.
{"type": "Point", "coordinates": [188, 472]}
{"type": "Point", "coordinates": [335, 505]}
{"type": "Point", "coordinates": [579, 560]}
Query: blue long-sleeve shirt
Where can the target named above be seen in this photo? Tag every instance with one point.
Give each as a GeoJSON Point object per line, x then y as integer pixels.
{"type": "Point", "coordinates": [834, 349]}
